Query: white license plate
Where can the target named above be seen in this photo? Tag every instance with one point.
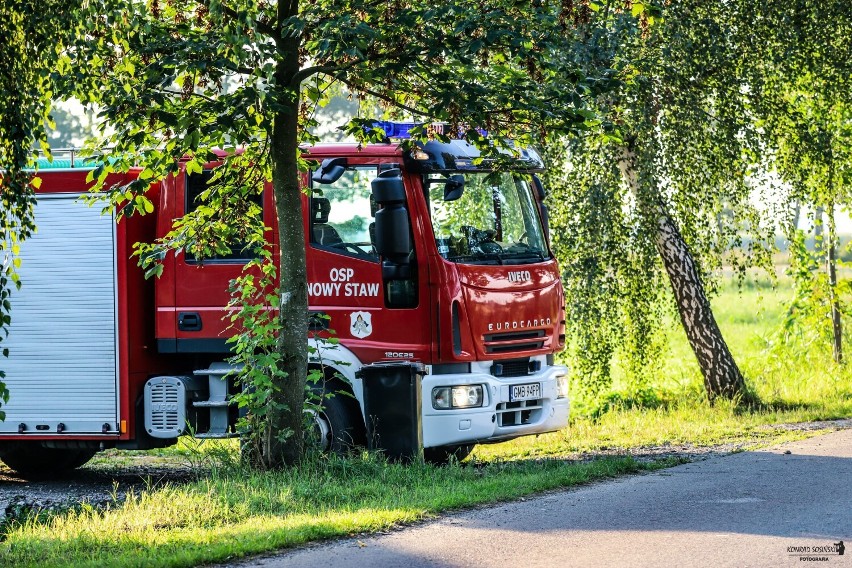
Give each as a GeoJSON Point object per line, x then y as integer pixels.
{"type": "Point", "coordinates": [525, 392]}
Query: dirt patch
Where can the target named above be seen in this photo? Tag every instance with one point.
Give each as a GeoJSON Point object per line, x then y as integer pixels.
{"type": "Point", "coordinates": [691, 452]}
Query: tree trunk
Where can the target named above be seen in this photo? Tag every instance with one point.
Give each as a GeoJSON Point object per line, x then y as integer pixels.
{"type": "Point", "coordinates": [283, 439]}
{"type": "Point", "coordinates": [831, 269]}
{"type": "Point", "coordinates": [722, 376]}
{"type": "Point", "coordinates": [819, 237]}
{"type": "Point", "coordinates": [797, 213]}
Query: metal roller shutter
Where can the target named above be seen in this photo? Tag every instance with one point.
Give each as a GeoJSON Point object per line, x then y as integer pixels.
{"type": "Point", "coordinates": [62, 365]}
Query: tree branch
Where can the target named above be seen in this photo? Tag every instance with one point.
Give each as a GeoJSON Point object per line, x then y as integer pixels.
{"type": "Point", "coordinates": [303, 74]}
{"type": "Point", "coordinates": [194, 94]}
{"type": "Point", "coordinates": [383, 97]}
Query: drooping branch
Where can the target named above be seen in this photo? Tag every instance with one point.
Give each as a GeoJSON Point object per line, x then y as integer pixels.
{"type": "Point", "coordinates": [382, 96]}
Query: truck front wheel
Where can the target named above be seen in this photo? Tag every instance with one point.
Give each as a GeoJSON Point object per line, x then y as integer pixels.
{"type": "Point", "coordinates": [336, 424]}
{"type": "Point", "coordinates": [34, 461]}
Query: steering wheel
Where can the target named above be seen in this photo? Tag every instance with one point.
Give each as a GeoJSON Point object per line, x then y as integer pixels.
{"type": "Point", "coordinates": [489, 247]}
{"type": "Point", "coordinates": [521, 242]}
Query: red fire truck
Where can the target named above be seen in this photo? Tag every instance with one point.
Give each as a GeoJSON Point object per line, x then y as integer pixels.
{"type": "Point", "coordinates": [416, 256]}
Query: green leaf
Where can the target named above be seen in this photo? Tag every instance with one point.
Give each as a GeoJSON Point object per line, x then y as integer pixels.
{"type": "Point", "coordinates": [193, 167]}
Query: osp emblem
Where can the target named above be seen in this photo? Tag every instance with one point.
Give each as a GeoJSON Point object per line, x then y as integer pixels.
{"type": "Point", "coordinates": [361, 324]}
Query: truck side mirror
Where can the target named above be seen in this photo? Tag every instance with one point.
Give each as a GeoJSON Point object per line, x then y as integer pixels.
{"type": "Point", "coordinates": [330, 170]}
{"type": "Point", "coordinates": [388, 187]}
{"type": "Point", "coordinates": [542, 207]}
{"type": "Point", "coordinates": [454, 187]}
{"type": "Point", "coordinates": [393, 229]}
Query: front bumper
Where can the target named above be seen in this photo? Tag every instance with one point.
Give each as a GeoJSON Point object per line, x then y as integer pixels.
{"type": "Point", "coordinates": [499, 418]}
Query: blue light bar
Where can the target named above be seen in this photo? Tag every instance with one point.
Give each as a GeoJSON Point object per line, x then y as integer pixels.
{"type": "Point", "coordinates": [402, 130]}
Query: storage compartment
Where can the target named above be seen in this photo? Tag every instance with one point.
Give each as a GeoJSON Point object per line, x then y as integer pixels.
{"type": "Point", "coordinates": [62, 369]}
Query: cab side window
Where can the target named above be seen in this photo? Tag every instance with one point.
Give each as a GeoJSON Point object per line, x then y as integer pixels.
{"type": "Point", "coordinates": [197, 183]}
{"type": "Point", "coordinates": [343, 214]}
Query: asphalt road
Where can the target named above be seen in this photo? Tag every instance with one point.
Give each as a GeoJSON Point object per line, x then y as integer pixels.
{"type": "Point", "coordinates": [744, 509]}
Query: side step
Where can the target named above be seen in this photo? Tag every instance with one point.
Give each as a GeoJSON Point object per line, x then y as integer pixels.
{"type": "Point", "coordinates": [218, 403]}
{"type": "Point", "coordinates": [215, 436]}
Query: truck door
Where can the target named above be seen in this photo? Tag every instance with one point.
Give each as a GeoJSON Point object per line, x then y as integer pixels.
{"type": "Point", "coordinates": [345, 276]}
{"type": "Point", "coordinates": [201, 286]}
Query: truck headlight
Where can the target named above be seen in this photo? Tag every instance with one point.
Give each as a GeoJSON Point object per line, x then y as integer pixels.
{"type": "Point", "coordinates": [562, 386]}
{"type": "Point", "coordinates": [462, 396]}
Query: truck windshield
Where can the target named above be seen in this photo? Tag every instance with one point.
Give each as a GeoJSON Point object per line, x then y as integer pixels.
{"type": "Point", "coordinates": [495, 221]}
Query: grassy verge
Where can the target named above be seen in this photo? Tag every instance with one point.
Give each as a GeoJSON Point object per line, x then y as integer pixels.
{"type": "Point", "coordinates": [230, 514]}
{"type": "Point", "coordinates": [233, 512]}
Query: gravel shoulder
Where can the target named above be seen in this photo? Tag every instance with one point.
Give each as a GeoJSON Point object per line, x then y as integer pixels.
{"type": "Point", "coordinates": [109, 479]}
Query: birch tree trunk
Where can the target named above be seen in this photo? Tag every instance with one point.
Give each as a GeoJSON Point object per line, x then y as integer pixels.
{"type": "Point", "coordinates": [831, 269]}
{"type": "Point", "coordinates": [797, 214]}
{"type": "Point", "coordinates": [819, 228]}
{"type": "Point", "coordinates": [722, 376]}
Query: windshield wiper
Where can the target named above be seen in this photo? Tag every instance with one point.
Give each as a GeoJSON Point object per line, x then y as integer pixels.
{"type": "Point", "coordinates": [492, 256]}
{"type": "Point", "coordinates": [520, 254]}
{"type": "Point", "coordinates": [516, 257]}
{"type": "Point", "coordinates": [478, 258]}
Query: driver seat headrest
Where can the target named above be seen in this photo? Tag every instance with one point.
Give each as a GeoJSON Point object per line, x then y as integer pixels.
{"type": "Point", "coordinates": [320, 208]}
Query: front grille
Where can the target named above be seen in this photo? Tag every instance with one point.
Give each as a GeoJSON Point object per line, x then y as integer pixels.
{"type": "Point", "coordinates": [514, 341]}
{"type": "Point", "coordinates": [511, 368]}
{"type": "Point", "coordinates": [519, 413]}
{"type": "Point", "coordinates": [513, 348]}
{"type": "Point", "coordinates": [515, 335]}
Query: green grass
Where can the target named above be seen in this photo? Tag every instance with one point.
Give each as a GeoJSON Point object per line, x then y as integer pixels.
{"type": "Point", "coordinates": [785, 369]}
{"type": "Point", "coordinates": [232, 512]}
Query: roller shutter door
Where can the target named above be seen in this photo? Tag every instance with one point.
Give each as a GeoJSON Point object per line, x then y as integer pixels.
{"type": "Point", "coordinates": [62, 365]}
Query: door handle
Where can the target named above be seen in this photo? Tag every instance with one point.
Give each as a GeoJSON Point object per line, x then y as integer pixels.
{"type": "Point", "coordinates": [189, 321]}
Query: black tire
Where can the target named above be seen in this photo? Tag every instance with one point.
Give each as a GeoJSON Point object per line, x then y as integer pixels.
{"type": "Point", "coordinates": [31, 460]}
{"type": "Point", "coordinates": [441, 455]}
{"type": "Point", "coordinates": [337, 424]}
